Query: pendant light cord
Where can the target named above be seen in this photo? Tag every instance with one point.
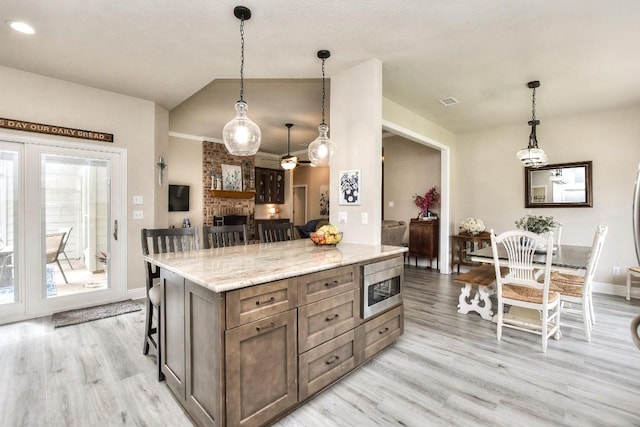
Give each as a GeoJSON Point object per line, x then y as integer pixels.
{"type": "Point", "coordinates": [242, 59]}
{"type": "Point", "coordinates": [533, 105]}
{"type": "Point", "coordinates": [323, 90]}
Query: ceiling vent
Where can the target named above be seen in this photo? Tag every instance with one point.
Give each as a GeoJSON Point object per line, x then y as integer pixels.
{"type": "Point", "coordinates": [448, 101]}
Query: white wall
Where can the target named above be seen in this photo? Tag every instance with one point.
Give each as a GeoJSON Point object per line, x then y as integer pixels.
{"type": "Point", "coordinates": [133, 122]}
{"type": "Point", "coordinates": [356, 124]}
{"type": "Point", "coordinates": [185, 168]}
{"type": "Point", "coordinates": [490, 180]}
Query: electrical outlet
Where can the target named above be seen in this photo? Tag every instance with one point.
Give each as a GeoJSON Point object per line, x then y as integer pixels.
{"type": "Point", "coordinates": [342, 217]}
{"type": "Point", "coordinates": [615, 270]}
{"type": "Point", "coordinates": [364, 218]}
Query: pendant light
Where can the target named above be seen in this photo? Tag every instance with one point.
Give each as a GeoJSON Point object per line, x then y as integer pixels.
{"type": "Point", "coordinates": [532, 156]}
{"type": "Point", "coordinates": [322, 148]}
{"type": "Point", "coordinates": [241, 135]}
{"type": "Point", "coordinates": [289, 161]}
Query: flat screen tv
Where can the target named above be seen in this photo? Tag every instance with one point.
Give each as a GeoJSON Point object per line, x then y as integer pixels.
{"type": "Point", "coordinates": [178, 198]}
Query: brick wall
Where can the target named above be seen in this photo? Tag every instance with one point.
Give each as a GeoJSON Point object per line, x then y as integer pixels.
{"type": "Point", "coordinates": [214, 155]}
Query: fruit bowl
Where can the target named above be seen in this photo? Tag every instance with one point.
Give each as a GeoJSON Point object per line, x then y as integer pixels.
{"type": "Point", "coordinates": [326, 239]}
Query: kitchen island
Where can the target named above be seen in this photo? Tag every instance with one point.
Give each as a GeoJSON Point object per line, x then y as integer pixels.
{"type": "Point", "coordinates": [250, 332]}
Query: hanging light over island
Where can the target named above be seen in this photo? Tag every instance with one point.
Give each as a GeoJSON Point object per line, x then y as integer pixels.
{"type": "Point", "coordinates": [241, 135]}
{"type": "Point", "coordinates": [322, 148]}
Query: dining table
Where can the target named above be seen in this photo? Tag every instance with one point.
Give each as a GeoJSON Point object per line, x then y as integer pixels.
{"type": "Point", "coordinates": [565, 258]}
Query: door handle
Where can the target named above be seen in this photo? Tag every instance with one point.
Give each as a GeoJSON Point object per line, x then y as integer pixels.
{"type": "Point", "coordinates": [115, 229]}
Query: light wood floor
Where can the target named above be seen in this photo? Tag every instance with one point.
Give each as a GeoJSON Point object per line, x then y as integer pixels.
{"type": "Point", "coordinates": [448, 369]}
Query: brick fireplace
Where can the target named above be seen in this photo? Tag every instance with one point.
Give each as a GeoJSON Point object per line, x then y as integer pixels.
{"type": "Point", "coordinates": [214, 155]}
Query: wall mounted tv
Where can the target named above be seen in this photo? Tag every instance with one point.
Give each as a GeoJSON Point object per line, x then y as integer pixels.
{"type": "Point", "coordinates": [178, 198]}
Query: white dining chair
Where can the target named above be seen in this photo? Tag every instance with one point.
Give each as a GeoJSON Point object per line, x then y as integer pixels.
{"type": "Point", "coordinates": [526, 284]}
{"type": "Point", "coordinates": [633, 276]}
{"type": "Point", "coordinates": [576, 292]}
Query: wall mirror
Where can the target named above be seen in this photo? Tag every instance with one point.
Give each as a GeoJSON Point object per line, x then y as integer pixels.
{"type": "Point", "coordinates": [561, 185]}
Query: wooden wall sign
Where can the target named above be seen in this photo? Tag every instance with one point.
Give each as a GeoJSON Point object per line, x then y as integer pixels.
{"type": "Point", "coordinates": [55, 130]}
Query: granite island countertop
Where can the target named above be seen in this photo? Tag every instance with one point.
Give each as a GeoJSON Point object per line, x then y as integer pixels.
{"type": "Point", "coordinates": [235, 267]}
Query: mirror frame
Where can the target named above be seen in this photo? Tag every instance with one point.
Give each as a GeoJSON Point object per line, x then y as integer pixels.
{"type": "Point", "coordinates": [588, 203]}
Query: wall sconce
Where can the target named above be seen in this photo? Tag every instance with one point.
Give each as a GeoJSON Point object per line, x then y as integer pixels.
{"type": "Point", "coordinates": [272, 212]}
{"type": "Point", "coordinates": [162, 166]}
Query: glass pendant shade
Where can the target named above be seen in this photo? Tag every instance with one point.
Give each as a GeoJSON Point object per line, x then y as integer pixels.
{"type": "Point", "coordinates": [322, 148]}
{"type": "Point", "coordinates": [532, 156]}
{"type": "Point", "coordinates": [241, 135]}
{"type": "Point", "coordinates": [289, 162]}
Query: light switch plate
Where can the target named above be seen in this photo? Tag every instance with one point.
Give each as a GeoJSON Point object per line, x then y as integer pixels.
{"type": "Point", "coordinates": [364, 217]}
{"type": "Point", "coordinates": [342, 217]}
{"type": "Point", "coordinates": [138, 200]}
{"type": "Point", "coordinates": [138, 215]}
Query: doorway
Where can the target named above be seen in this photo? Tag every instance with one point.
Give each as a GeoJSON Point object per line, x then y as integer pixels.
{"type": "Point", "coordinates": [300, 205]}
{"type": "Point", "coordinates": [58, 227]}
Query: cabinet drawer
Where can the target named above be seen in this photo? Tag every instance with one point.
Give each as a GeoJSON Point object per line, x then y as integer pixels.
{"type": "Point", "coordinates": [324, 364]}
{"type": "Point", "coordinates": [325, 284]}
{"type": "Point", "coordinates": [383, 330]}
{"type": "Point", "coordinates": [256, 302]}
{"type": "Point", "coordinates": [326, 319]}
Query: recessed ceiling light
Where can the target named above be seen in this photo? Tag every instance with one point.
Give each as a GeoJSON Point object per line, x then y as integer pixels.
{"type": "Point", "coordinates": [449, 101]}
{"type": "Point", "coordinates": [22, 27]}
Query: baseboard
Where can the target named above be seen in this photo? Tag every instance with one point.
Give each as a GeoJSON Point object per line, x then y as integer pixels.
{"type": "Point", "coordinates": [137, 293]}
{"type": "Point", "coordinates": [618, 290]}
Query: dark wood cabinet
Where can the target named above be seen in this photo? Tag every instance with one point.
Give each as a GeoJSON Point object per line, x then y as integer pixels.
{"type": "Point", "coordinates": [424, 240]}
{"type": "Point", "coordinates": [269, 186]}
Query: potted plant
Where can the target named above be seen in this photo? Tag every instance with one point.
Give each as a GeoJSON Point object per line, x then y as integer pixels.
{"type": "Point", "coordinates": [538, 224]}
{"type": "Point", "coordinates": [430, 200]}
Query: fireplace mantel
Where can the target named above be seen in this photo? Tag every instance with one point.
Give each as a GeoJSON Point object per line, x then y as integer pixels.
{"type": "Point", "coordinates": [233, 194]}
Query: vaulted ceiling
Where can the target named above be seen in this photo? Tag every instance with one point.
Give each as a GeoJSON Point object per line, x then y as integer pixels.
{"type": "Point", "coordinates": [480, 52]}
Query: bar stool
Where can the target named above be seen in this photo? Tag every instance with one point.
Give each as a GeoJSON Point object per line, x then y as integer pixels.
{"type": "Point", "coordinates": [633, 275]}
{"type": "Point", "coordinates": [157, 241]}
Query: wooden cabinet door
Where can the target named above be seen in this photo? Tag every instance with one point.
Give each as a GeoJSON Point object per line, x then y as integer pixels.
{"type": "Point", "coordinates": [423, 239]}
{"type": "Point", "coordinates": [172, 331]}
{"type": "Point", "coordinates": [269, 186]}
{"type": "Point", "coordinates": [261, 361]}
{"type": "Point", "coordinates": [261, 185]}
{"type": "Point", "coordinates": [204, 355]}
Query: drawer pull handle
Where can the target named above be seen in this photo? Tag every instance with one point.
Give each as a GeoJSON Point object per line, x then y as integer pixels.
{"type": "Point", "coordinates": [333, 360]}
{"type": "Point", "coordinates": [331, 284]}
{"type": "Point", "coordinates": [382, 331]}
{"type": "Point", "coordinates": [330, 318]}
{"type": "Point", "coordinates": [269, 326]}
{"type": "Point", "coordinates": [269, 301]}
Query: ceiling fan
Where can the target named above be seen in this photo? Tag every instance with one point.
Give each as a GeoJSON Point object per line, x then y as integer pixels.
{"type": "Point", "coordinates": [289, 161]}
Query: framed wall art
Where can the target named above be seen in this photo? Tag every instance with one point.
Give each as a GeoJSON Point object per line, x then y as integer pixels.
{"type": "Point", "coordinates": [231, 178]}
{"type": "Point", "coordinates": [350, 187]}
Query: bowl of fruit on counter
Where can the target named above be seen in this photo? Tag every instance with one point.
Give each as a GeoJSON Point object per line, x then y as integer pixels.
{"type": "Point", "coordinates": [326, 235]}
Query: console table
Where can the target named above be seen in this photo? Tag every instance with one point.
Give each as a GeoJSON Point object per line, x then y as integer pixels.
{"type": "Point", "coordinates": [462, 244]}
{"type": "Point", "coordinates": [424, 240]}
